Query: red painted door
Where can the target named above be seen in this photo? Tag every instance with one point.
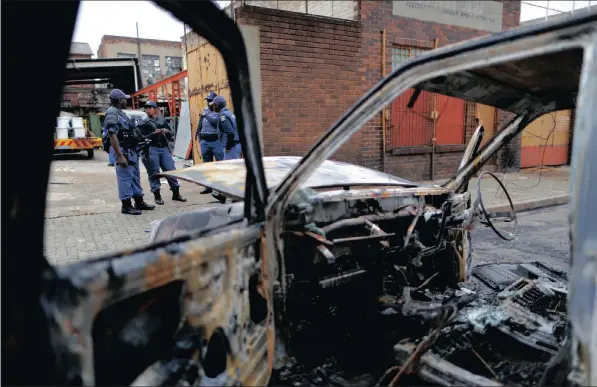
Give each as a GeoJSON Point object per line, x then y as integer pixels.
{"type": "Point", "coordinates": [411, 126]}
{"type": "Point", "coordinates": [450, 123]}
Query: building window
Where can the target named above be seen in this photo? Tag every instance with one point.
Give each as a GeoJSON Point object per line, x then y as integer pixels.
{"type": "Point", "coordinates": [126, 55]}
{"type": "Point", "coordinates": [401, 54]}
{"type": "Point", "coordinates": [150, 66]}
{"type": "Point", "coordinates": [432, 113]}
{"type": "Point", "coordinates": [344, 9]}
{"type": "Point", "coordinates": [173, 65]}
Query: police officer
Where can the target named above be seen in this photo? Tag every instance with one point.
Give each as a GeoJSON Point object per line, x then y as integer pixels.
{"type": "Point", "coordinates": [229, 135]}
{"type": "Point", "coordinates": [155, 129]}
{"type": "Point", "coordinates": [125, 139]}
{"type": "Point", "coordinates": [111, 154]}
{"type": "Point", "coordinates": [208, 134]}
{"type": "Point", "coordinates": [228, 128]}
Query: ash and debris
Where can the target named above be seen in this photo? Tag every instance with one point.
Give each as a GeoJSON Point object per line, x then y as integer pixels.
{"type": "Point", "coordinates": [351, 343]}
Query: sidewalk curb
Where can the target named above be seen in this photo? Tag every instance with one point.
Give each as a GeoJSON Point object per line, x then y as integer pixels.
{"type": "Point", "coordinates": [532, 204]}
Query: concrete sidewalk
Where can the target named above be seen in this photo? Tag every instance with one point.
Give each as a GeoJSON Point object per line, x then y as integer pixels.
{"type": "Point", "coordinates": [529, 189]}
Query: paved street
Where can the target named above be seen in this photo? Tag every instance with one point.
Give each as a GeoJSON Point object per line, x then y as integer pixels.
{"type": "Point", "coordinates": [83, 216]}
{"type": "Point", "coordinates": [542, 236]}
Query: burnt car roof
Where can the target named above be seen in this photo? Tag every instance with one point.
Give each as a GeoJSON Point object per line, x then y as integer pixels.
{"type": "Point", "coordinates": [517, 85]}
{"type": "Point", "coordinates": [229, 176]}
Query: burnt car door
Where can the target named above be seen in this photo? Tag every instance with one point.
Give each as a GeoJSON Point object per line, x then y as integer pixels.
{"type": "Point", "coordinates": [196, 309]}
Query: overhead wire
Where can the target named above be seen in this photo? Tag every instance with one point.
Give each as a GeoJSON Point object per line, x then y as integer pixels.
{"type": "Point", "coordinates": [541, 167]}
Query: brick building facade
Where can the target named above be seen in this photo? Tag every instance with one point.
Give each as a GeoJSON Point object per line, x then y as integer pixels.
{"type": "Point", "coordinates": [159, 58]}
{"type": "Point", "coordinates": [314, 68]}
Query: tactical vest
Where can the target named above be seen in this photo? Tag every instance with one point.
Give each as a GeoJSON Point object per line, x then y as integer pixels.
{"type": "Point", "coordinates": [128, 135]}
{"type": "Point", "coordinates": [148, 125]}
{"type": "Point", "coordinates": [210, 126]}
{"type": "Point", "coordinates": [227, 114]}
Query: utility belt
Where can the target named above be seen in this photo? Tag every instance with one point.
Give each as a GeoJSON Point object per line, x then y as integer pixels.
{"type": "Point", "coordinates": [209, 136]}
{"type": "Point", "coordinates": [158, 143]}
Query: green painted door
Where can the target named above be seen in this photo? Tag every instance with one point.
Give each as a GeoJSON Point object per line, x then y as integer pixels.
{"type": "Point", "coordinates": [95, 124]}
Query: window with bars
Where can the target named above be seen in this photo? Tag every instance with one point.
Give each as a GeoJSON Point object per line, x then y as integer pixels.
{"type": "Point", "coordinates": [173, 65]}
{"type": "Point", "coordinates": [344, 9]}
{"type": "Point", "coordinates": [150, 67]}
{"type": "Point", "coordinates": [401, 54]}
{"type": "Point", "coordinates": [431, 114]}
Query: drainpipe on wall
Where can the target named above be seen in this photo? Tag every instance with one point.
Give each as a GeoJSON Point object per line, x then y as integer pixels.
{"type": "Point", "coordinates": [384, 111]}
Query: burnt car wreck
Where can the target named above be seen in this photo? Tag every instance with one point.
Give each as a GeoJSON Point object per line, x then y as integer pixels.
{"type": "Point", "coordinates": [328, 273]}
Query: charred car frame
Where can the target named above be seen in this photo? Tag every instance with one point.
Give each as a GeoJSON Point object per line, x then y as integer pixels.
{"type": "Point", "coordinates": [218, 297]}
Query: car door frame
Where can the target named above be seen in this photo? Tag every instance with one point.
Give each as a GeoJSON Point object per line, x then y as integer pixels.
{"type": "Point", "coordinates": [221, 268]}
{"type": "Point", "coordinates": [511, 45]}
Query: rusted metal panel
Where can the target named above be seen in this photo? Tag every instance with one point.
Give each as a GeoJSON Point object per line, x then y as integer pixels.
{"type": "Point", "coordinates": [207, 72]}
{"type": "Point", "coordinates": [545, 140]}
{"type": "Point", "coordinates": [229, 176]}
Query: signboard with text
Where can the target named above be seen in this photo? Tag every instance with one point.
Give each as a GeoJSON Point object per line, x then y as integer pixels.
{"type": "Point", "coordinates": [479, 15]}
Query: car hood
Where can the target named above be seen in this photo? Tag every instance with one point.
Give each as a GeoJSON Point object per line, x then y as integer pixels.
{"type": "Point", "coordinates": [228, 177]}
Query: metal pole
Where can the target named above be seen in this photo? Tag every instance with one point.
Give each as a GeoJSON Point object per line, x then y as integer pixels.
{"type": "Point", "coordinates": [435, 117]}
{"type": "Point", "coordinates": [139, 53]}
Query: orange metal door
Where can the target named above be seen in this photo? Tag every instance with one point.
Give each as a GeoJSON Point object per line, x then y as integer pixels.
{"type": "Point", "coordinates": [545, 140]}
{"type": "Point", "coordinates": [486, 116]}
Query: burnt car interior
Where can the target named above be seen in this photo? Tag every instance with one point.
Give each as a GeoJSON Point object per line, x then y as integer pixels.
{"type": "Point", "coordinates": [350, 285]}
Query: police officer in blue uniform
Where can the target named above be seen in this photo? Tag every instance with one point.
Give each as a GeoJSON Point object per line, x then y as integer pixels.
{"type": "Point", "coordinates": [125, 140]}
{"type": "Point", "coordinates": [155, 129]}
{"type": "Point", "coordinates": [208, 134]}
{"type": "Point", "coordinates": [228, 128]}
{"type": "Point", "coordinates": [229, 135]}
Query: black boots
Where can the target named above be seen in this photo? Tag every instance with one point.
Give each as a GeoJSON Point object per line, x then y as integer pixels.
{"type": "Point", "coordinates": [176, 195]}
{"type": "Point", "coordinates": [158, 197]}
{"type": "Point", "coordinates": [206, 191]}
{"type": "Point", "coordinates": [141, 205]}
{"type": "Point", "coordinates": [127, 208]}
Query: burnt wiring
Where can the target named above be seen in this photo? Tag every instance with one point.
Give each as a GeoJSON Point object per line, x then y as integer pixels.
{"type": "Point", "coordinates": [541, 167]}
{"type": "Point", "coordinates": [448, 314]}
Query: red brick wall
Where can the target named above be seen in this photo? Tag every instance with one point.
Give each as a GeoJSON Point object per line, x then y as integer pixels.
{"type": "Point", "coordinates": [309, 77]}
{"type": "Point", "coordinates": [314, 68]}
{"type": "Point", "coordinates": [377, 15]}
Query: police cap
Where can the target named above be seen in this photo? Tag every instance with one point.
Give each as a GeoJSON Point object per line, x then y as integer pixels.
{"type": "Point", "coordinates": [118, 94]}
{"type": "Point", "coordinates": [210, 97]}
{"type": "Point", "coordinates": [219, 101]}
